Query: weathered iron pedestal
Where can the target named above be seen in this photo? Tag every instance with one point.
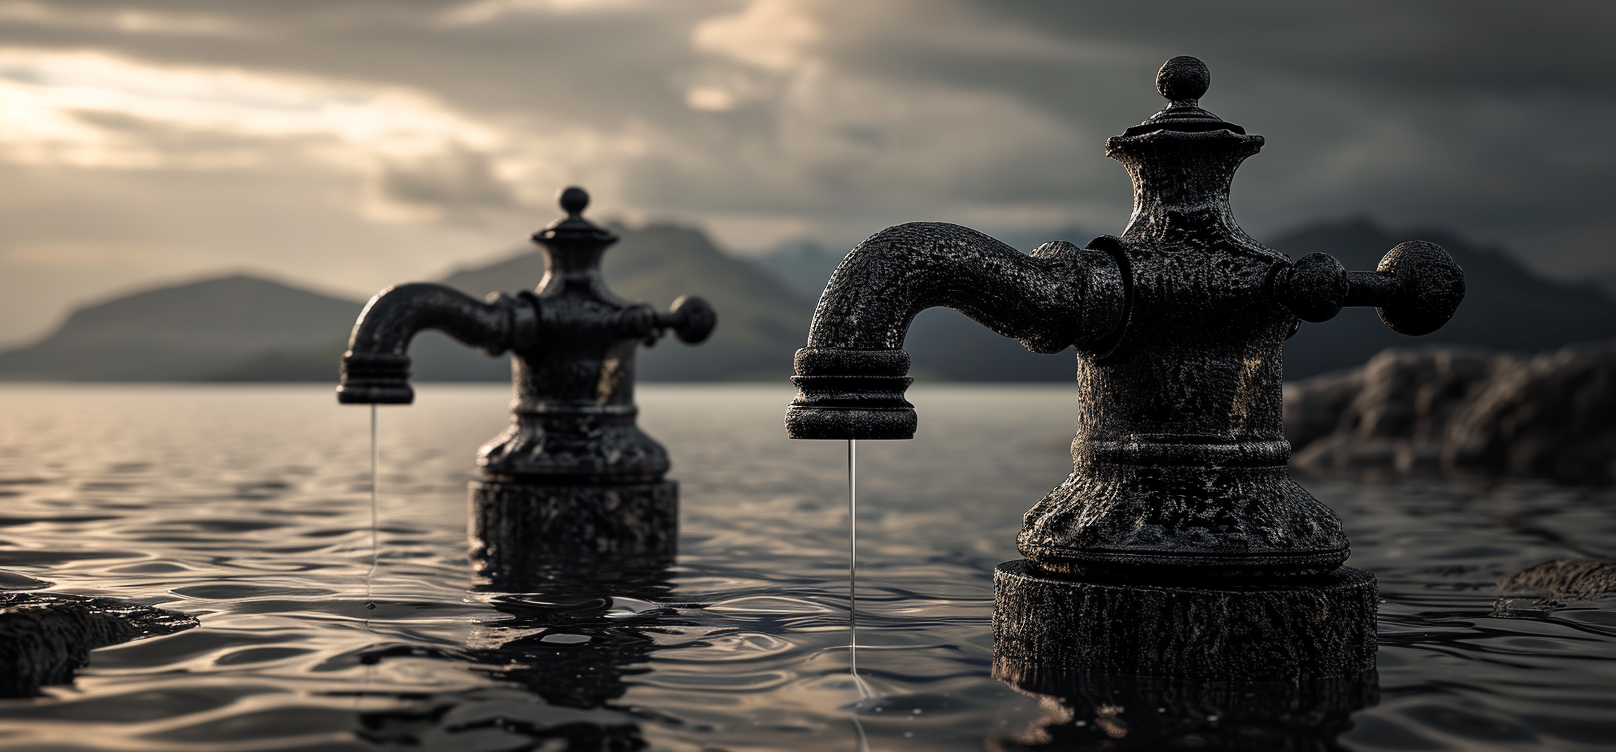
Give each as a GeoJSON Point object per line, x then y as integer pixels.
{"type": "Point", "coordinates": [1179, 546]}
{"type": "Point", "coordinates": [573, 486]}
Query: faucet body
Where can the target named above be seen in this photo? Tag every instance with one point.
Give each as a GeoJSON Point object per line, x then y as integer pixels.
{"type": "Point", "coordinates": [1179, 458]}
{"type": "Point", "coordinates": [573, 479]}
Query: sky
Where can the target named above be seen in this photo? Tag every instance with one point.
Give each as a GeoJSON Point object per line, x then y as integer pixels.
{"type": "Point", "coordinates": [344, 145]}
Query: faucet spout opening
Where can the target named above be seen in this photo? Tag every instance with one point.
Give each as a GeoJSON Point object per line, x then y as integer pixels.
{"type": "Point", "coordinates": [376, 367]}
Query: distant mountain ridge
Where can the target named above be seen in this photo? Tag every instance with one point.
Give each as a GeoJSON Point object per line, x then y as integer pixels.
{"type": "Point", "coordinates": [192, 331]}
{"type": "Point", "coordinates": [242, 328]}
{"type": "Point", "coordinates": [247, 329]}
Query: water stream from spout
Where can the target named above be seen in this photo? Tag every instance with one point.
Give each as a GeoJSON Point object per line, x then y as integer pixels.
{"type": "Point", "coordinates": [375, 526]}
{"type": "Point", "coordinates": [852, 590]}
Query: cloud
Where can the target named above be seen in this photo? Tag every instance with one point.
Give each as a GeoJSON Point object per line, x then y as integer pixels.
{"type": "Point", "coordinates": [399, 122]}
{"type": "Point", "coordinates": [485, 11]}
{"type": "Point", "coordinates": [774, 35]}
{"type": "Point", "coordinates": [457, 182]}
{"type": "Point", "coordinates": [122, 20]}
{"type": "Point", "coordinates": [91, 110]}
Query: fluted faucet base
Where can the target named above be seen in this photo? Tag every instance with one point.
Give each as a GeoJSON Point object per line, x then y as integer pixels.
{"type": "Point", "coordinates": [524, 535]}
{"type": "Point", "coordinates": [1318, 628]}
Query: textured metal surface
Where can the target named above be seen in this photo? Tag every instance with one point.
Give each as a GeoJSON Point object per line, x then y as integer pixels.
{"type": "Point", "coordinates": [1179, 323]}
{"type": "Point", "coordinates": [573, 343]}
{"type": "Point", "coordinates": [1231, 632]}
{"type": "Point", "coordinates": [852, 375]}
{"type": "Point", "coordinates": [573, 438]}
{"type": "Point", "coordinates": [523, 533]}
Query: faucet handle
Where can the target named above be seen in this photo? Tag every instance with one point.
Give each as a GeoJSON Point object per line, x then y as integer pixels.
{"type": "Point", "coordinates": [1416, 288]}
{"type": "Point", "coordinates": [691, 318]}
{"type": "Point", "coordinates": [1314, 287]}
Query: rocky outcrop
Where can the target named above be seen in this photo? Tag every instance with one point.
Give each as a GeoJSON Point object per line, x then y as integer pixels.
{"type": "Point", "coordinates": [1446, 410]}
{"type": "Point", "coordinates": [1563, 578]}
{"type": "Point", "coordinates": [45, 637]}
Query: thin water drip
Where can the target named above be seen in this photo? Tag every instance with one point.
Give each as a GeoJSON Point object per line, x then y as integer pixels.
{"type": "Point", "coordinates": [375, 527]}
{"type": "Point", "coordinates": [852, 565]}
{"type": "Point", "coordinates": [852, 590]}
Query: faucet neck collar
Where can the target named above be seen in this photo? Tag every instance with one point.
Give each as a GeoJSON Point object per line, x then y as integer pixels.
{"type": "Point", "coordinates": [1178, 172]}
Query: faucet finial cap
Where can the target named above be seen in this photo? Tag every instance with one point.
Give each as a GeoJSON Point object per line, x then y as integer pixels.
{"type": "Point", "coordinates": [573, 228]}
{"type": "Point", "coordinates": [574, 200]}
{"type": "Point", "coordinates": [1183, 78]}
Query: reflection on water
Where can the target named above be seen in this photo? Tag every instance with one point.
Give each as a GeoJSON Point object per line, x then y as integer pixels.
{"type": "Point", "coordinates": [1131, 713]}
{"type": "Point", "coordinates": [248, 507]}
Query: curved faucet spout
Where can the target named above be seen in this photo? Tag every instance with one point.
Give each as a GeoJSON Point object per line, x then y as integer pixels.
{"type": "Point", "coordinates": [376, 367]}
{"type": "Point", "coordinates": [852, 375]}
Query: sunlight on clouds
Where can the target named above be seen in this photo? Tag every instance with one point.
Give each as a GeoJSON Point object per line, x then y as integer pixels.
{"type": "Point", "coordinates": [95, 111]}
{"type": "Point", "coordinates": [125, 20]}
{"type": "Point", "coordinates": [772, 34]}
{"type": "Point", "coordinates": [709, 98]}
{"type": "Point", "coordinates": [483, 11]}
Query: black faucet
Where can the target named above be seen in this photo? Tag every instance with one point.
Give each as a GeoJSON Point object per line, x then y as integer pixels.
{"type": "Point", "coordinates": [573, 480]}
{"type": "Point", "coordinates": [1179, 545]}
{"type": "Point", "coordinates": [1179, 457]}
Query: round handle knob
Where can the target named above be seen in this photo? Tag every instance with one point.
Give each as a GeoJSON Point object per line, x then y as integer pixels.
{"type": "Point", "coordinates": [1416, 288]}
{"type": "Point", "coordinates": [692, 319]}
{"type": "Point", "coordinates": [1426, 287]}
{"type": "Point", "coordinates": [1314, 288]}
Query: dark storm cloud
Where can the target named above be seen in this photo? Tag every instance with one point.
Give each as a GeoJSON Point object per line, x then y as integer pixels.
{"type": "Point", "coordinates": [825, 118]}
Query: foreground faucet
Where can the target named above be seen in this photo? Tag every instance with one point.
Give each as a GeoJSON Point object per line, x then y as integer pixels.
{"type": "Point", "coordinates": [573, 483]}
{"type": "Point", "coordinates": [1179, 545]}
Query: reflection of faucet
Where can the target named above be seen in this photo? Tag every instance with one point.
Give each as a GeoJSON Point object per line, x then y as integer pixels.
{"type": "Point", "coordinates": [1179, 457]}
{"type": "Point", "coordinates": [1138, 713]}
{"type": "Point", "coordinates": [573, 479]}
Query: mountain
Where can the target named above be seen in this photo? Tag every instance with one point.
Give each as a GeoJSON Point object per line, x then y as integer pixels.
{"type": "Point", "coordinates": [1506, 305]}
{"type": "Point", "coordinates": [803, 265]}
{"type": "Point", "coordinates": [193, 331]}
{"type": "Point", "coordinates": [246, 329]}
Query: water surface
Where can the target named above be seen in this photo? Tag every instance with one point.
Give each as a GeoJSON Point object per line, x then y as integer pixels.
{"type": "Point", "coordinates": [248, 506]}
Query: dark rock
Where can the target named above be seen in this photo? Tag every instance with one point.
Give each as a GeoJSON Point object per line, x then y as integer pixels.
{"type": "Point", "coordinates": [45, 637]}
{"type": "Point", "coordinates": [1552, 416]}
{"type": "Point", "coordinates": [1562, 578]}
{"type": "Point", "coordinates": [1460, 410]}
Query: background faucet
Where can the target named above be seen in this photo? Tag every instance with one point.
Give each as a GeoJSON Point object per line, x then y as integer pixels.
{"type": "Point", "coordinates": [573, 481]}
